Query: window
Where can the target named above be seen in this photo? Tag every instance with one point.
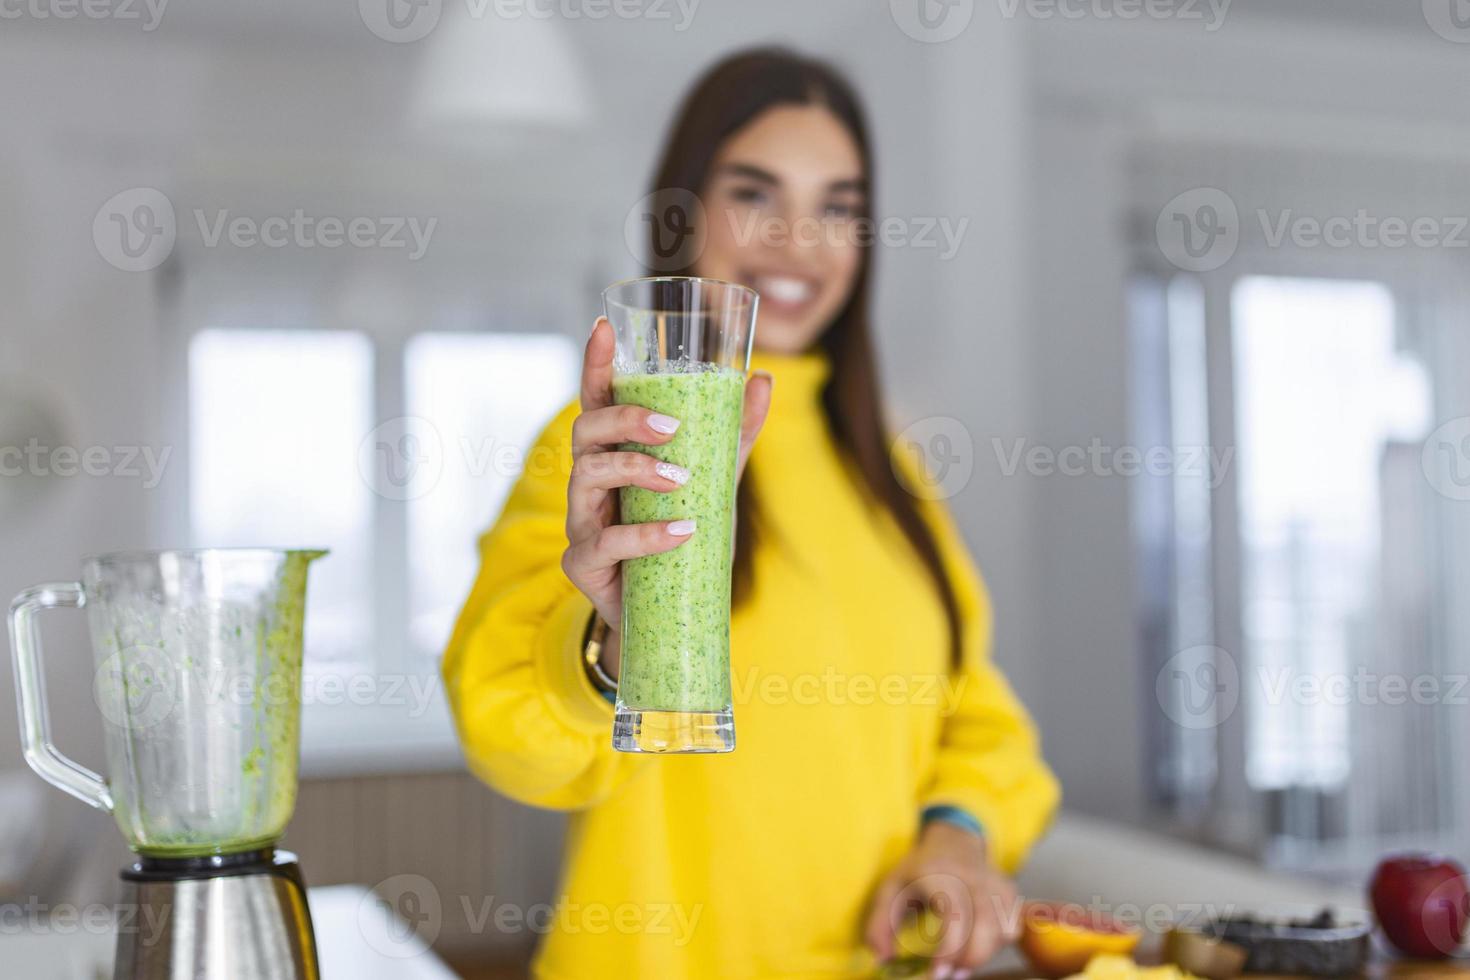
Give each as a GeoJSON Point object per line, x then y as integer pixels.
{"type": "Point", "coordinates": [396, 458]}
{"type": "Point", "coordinates": [491, 394]}
{"type": "Point", "coordinates": [1314, 565]}
{"type": "Point", "coordinates": [275, 417]}
{"type": "Point", "coordinates": [1322, 393]}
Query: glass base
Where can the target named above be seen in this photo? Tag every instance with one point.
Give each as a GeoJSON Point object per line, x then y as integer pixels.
{"type": "Point", "coordinates": [673, 731]}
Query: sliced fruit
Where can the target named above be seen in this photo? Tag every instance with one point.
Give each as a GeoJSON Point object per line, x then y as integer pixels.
{"type": "Point", "coordinates": [1060, 939]}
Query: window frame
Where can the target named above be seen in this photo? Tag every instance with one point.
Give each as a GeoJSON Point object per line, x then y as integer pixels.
{"type": "Point", "coordinates": [342, 739]}
{"type": "Point", "coordinates": [1430, 295]}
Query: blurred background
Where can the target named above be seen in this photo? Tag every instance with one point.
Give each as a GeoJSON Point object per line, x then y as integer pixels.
{"type": "Point", "coordinates": [1179, 290]}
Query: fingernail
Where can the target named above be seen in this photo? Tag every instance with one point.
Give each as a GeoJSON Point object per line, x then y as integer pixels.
{"type": "Point", "coordinates": [943, 972]}
{"type": "Point", "coordinates": [962, 975]}
{"type": "Point", "coordinates": [662, 423]}
{"type": "Point", "coordinates": [681, 529]}
{"type": "Point", "coordinates": [669, 471]}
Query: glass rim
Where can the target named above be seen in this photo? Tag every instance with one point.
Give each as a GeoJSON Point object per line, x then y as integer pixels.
{"type": "Point", "coordinates": [703, 280]}
{"type": "Point", "coordinates": [140, 555]}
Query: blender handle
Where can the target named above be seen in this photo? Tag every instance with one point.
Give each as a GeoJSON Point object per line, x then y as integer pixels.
{"type": "Point", "coordinates": [30, 694]}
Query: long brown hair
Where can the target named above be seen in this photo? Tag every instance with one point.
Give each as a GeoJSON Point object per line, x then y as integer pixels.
{"type": "Point", "coordinates": [727, 97]}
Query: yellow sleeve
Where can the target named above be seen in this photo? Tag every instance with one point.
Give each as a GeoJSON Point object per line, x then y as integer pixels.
{"type": "Point", "coordinates": [989, 762]}
{"type": "Point", "coordinates": [531, 723]}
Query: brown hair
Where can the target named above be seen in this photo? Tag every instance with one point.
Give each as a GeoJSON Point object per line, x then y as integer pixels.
{"type": "Point", "coordinates": [729, 96]}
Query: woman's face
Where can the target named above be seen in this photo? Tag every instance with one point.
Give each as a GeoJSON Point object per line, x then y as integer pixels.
{"type": "Point", "coordinates": [782, 196]}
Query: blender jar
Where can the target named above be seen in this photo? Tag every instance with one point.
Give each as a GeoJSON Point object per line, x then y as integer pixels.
{"type": "Point", "coordinates": [198, 679]}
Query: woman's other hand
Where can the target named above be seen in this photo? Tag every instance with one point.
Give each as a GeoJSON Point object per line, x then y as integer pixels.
{"type": "Point", "coordinates": [947, 872]}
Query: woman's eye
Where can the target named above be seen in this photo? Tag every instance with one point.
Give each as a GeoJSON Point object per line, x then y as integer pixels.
{"type": "Point", "coordinates": [748, 195]}
{"type": "Point", "coordinates": [837, 209]}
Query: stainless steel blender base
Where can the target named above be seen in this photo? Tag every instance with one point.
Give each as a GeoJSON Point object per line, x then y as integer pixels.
{"type": "Point", "coordinates": [233, 917]}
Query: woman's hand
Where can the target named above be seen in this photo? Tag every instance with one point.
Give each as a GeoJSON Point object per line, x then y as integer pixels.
{"type": "Point", "coordinates": [595, 545]}
{"type": "Point", "coordinates": [947, 873]}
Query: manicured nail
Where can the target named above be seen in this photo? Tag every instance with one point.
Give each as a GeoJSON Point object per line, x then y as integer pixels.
{"type": "Point", "coordinates": [669, 471]}
{"type": "Point", "coordinates": [662, 423]}
{"type": "Point", "coordinates": [681, 529]}
{"type": "Point", "coordinates": [962, 975]}
{"type": "Point", "coordinates": [943, 972]}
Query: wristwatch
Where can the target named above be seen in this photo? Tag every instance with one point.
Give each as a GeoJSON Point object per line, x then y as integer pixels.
{"type": "Point", "coordinates": [592, 657]}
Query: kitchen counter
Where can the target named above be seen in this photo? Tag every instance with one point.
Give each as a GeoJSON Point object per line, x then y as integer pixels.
{"type": "Point", "coordinates": [355, 941]}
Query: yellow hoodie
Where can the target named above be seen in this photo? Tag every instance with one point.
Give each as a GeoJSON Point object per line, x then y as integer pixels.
{"type": "Point", "coordinates": [848, 721]}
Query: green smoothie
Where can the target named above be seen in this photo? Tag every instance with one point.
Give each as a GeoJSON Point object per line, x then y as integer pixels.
{"type": "Point", "coordinates": [676, 605]}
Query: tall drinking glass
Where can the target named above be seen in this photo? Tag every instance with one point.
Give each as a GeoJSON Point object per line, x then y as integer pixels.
{"type": "Point", "coordinates": [683, 349]}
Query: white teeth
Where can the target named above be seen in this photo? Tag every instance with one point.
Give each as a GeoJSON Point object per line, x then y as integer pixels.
{"type": "Point", "coordinates": [784, 289]}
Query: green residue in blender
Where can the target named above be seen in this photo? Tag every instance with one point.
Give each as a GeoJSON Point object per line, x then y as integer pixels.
{"type": "Point", "coordinates": [268, 770]}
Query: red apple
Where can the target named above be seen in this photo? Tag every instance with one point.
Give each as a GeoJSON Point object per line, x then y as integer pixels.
{"type": "Point", "coordinates": [1422, 903]}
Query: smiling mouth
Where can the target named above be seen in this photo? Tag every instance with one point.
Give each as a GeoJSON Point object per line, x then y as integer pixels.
{"type": "Point", "coordinates": [785, 293]}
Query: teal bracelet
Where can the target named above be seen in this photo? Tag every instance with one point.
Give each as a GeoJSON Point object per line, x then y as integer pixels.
{"type": "Point", "coordinates": [958, 817]}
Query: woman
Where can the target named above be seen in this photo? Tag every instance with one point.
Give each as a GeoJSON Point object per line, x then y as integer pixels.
{"type": "Point", "coordinates": [882, 761]}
